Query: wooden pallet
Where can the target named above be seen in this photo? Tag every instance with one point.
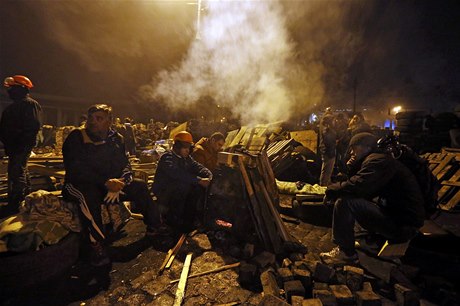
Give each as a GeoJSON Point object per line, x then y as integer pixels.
{"type": "Point", "coordinates": [446, 167]}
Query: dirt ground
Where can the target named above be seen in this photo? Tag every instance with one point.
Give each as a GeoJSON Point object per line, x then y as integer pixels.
{"type": "Point", "coordinates": [132, 278]}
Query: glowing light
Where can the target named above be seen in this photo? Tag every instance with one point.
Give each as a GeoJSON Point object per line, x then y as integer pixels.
{"type": "Point", "coordinates": [396, 109]}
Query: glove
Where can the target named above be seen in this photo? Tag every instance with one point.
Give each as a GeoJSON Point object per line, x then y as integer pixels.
{"type": "Point", "coordinates": [113, 197]}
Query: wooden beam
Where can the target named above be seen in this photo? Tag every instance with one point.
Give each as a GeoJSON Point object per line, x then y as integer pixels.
{"type": "Point", "coordinates": [180, 292]}
{"type": "Point", "coordinates": [170, 253]}
{"type": "Point", "coordinates": [223, 268]}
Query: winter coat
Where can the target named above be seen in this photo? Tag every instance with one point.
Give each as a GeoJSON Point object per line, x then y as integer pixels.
{"type": "Point", "coordinates": [20, 124]}
{"type": "Point", "coordinates": [204, 154]}
{"type": "Point", "coordinates": [382, 176]}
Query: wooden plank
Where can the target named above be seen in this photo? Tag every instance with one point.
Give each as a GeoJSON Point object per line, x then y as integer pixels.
{"type": "Point", "coordinates": [445, 188]}
{"type": "Point", "coordinates": [454, 201]}
{"type": "Point", "coordinates": [441, 165]}
{"type": "Point", "coordinates": [172, 251]}
{"type": "Point", "coordinates": [180, 292]}
{"type": "Point", "coordinates": [260, 227]}
{"type": "Point", "coordinates": [43, 170]}
{"type": "Point", "coordinates": [223, 268]}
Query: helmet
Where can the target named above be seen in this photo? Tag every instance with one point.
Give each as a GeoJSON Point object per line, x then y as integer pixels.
{"type": "Point", "coordinates": [18, 80]}
{"type": "Point", "coordinates": [184, 136]}
{"type": "Point", "coordinates": [390, 144]}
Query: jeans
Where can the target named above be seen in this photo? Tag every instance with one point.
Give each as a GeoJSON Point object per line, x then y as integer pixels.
{"type": "Point", "coordinates": [369, 216]}
{"type": "Point", "coordinates": [18, 180]}
{"type": "Point", "coordinates": [326, 170]}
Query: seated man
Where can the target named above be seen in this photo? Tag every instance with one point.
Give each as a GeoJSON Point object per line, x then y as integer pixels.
{"type": "Point", "coordinates": [398, 213]}
{"type": "Point", "coordinates": [179, 183]}
{"type": "Point", "coordinates": [206, 149]}
{"type": "Point", "coordinates": [98, 170]}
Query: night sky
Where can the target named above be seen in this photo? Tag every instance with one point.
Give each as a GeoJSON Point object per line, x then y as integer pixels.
{"type": "Point", "coordinates": [271, 59]}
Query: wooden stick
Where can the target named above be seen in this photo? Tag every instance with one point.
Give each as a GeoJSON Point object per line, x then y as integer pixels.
{"type": "Point", "coordinates": [180, 292]}
{"type": "Point", "coordinates": [226, 267]}
{"type": "Point", "coordinates": [171, 252]}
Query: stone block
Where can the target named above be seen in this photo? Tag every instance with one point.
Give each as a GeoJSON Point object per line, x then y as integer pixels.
{"type": "Point", "coordinates": [247, 273]}
{"type": "Point", "coordinates": [287, 263]}
{"type": "Point", "coordinates": [264, 259]}
{"type": "Point", "coordinates": [304, 276]}
{"type": "Point", "coordinates": [248, 251]}
{"type": "Point", "coordinates": [353, 277]}
{"type": "Point", "coordinates": [342, 294]}
{"type": "Point", "coordinates": [293, 288]}
{"type": "Point", "coordinates": [285, 274]}
{"type": "Point", "coordinates": [269, 284]}
{"type": "Point", "coordinates": [406, 296]}
{"type": "Point", "coordinates": [312, 302]}
{"type": "Point", "coordinates": [325, 296]}
{"type": "Point", "coordinates": [270, 300]}
{"type": "Point", "coordinates": [300, 264]}
{"type": "Point", "coordinates": [296, 300]}
{"type": "Point", "coordinates": [323, 273]}
{"type": "Point", "coordinates": [367, 298]}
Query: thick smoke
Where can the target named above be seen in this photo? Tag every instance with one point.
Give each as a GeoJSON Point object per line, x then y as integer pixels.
{"type": "Point", "coordinates": [244, 60]}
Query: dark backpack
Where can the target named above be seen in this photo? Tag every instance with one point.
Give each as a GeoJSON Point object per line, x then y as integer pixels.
{"type": "Point", "coordinates": [429, 184]}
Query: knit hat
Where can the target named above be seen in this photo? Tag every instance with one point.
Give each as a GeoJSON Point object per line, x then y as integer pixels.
{"type": "Point", "coordinates": [364, 139]}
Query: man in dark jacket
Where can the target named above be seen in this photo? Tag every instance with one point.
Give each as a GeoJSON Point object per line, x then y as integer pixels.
{"type": "Point", "coordinates": [398, 213]}
{"type": "Point", "coordinates": [19, 127]}
{"type": "Point", "coordinates": [98, 171]}
{"type": "Point", "coordinates": [179, 183]}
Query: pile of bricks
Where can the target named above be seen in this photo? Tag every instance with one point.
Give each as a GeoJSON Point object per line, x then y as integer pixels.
{"type": "Point", "coordinates": [298, 280]}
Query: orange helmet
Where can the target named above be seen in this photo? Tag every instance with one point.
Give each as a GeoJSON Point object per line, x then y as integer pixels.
{"type": "Point", "coordinates": [184, 136]}
{"type": "Point", "coordinates": [18, 80]}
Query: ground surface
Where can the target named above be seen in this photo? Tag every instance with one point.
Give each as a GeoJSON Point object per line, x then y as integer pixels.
{"type": "Point", "coordinates": [132, 278]}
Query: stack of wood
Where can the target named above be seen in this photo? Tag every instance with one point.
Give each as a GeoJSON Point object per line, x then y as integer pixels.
{"type": "Point", "coordinates": [280, 155]}
{"type": "Point", "coordinates": [446, 167]}
{"type": "Point", "coordinates": [244, 198]}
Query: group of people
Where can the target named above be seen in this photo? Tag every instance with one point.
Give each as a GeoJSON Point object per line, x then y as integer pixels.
{"type": "Point", "coordinates": [380, 192]}
{"type": "Point", "coordinates": [98, 171]}
{"type": "Point", "coordinates": [335, 132]}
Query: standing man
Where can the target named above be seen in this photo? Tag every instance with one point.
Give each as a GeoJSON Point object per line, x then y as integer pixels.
{"type": "Point", "coordinates": [327, 148]}
{"type": "Point", "coordinates": [179, 183]}
{"type": "Point", "coordinates": [396, 215]}
{"type": "Point", "coordinates": [206, 150]}
{"type": "Point", "coordinates": [98, 171]}
{"type": "Point", "coordinates": [19, 127]}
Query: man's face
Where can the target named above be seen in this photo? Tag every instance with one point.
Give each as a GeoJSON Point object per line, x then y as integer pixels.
{"type": "Point", "coordinates": [184, 150]}
{"type": "Point", "coordinates": [359, 151]}
{"type": "Point", "coordinates": [217, 145]}
{"type": "Point", "coordinates": [98, 123]}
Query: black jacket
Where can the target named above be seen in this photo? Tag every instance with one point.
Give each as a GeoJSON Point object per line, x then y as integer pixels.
{"type": "Point", "coordinates": [380, 175]}
{"type": "Point", "coordinates": [88, 160]}
{"type": "Point", "coordinates": [174, 169]}
{"type": "Point", "coordinates": [20, 124]}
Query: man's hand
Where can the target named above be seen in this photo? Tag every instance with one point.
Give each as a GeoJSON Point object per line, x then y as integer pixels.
{"type": "Point", "coordinates": [115, 185]}
{"type": "Point", "coordinates": [113, 197]}
{"type": "Point", "coordinates": [204, 182]}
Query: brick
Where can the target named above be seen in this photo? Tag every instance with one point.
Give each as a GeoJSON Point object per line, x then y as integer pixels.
{"type": "Point", "coordinates": [320, 286]}
{"type": "Point", "coordinates": [406, 296]}
{"type": "Point", "coordinates": [323, 273]}
{"type": "Point", "coordinates": [296, 300]}
{"type": "Point", "coordinates": [270, 300]}
{"type": "Point", "coordinates": [354, 278]}
{"type": "Point", "coordinates": [367, 298]}
{"type": "Point", "coordinates": [296, 257]}
{"type": "Point", "coordinates": [367, 286]}
{"type": "Point", "coordinates": [292, 288]}
{"type": "Point", "coordinates": [247, 273]}
{"type": "Point", "coordinates": [285, 274]}
{"type": "Point", "coordinates": [265, 259]}
{"type": "Point", "coordinates": [304, 276]}
{"type": "Point", "coordinates": [287, 263]}
{"type": "Point", "coordinates": [312, 302]}
{"type": "Point", "coordinates": [300, 264]}
{"type": "Point", "coordinates": [342, 294]}
{"type": "Point", "coordinates": [325, 296]}
{"type": "Point", "coordinates": [269, 284]}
